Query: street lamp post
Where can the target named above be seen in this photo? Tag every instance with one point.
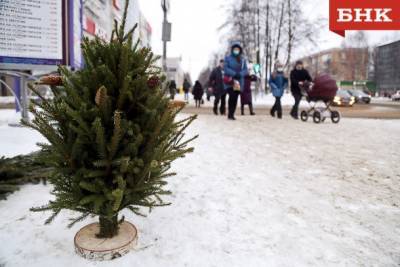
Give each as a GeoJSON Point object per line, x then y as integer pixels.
{"type": "Point", "coordinates": [166, 32]}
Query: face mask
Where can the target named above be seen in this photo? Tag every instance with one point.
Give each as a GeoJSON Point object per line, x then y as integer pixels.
{"type": "Point", "coordinates": [280, 70]}
{"type": "Point", "coordinates": [236, 52]}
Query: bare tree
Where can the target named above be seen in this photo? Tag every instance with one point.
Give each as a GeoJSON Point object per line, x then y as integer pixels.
{"type": "Point", "coordinates": [356, 51]}
{"type": "Point", "coordinates": [286, 29]}
{"type": "Point", "coordinates": [278, 42]}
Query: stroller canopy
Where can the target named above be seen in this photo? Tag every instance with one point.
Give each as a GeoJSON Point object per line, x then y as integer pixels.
{"type": "Point", "coordinates": [325, 87]}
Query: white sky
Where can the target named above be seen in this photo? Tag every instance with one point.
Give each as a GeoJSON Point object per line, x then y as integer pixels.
{"type": "Point", "coordinates": [195, 36]}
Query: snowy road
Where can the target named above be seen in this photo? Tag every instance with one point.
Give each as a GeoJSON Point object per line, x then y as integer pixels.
{"type": "Point", "coordinates": [256, 192]}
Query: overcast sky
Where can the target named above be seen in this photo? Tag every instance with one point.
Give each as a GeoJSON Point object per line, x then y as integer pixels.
{"type": "Point", "coordinates": [195, 36]}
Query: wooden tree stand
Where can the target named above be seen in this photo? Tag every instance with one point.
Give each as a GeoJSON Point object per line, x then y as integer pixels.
{"type": "Point", "coordinates": [90, 247]}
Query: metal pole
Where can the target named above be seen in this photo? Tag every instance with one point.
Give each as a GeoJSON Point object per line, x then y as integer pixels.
{"type": "Point", "coordinates": [164, 58]}
{"type": "Point", "coordinates": [24, 99]}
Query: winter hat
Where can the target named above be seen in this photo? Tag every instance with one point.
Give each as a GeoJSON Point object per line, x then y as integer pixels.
{"type": "Point", "coordinates": [236, 45]}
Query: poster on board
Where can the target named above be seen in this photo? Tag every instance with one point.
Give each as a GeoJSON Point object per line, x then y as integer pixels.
{"type": "Point", "coordinates": [31, 34]}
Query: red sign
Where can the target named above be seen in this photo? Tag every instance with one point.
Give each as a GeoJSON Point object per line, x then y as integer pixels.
{"type": "Point", "coordinates": [364, 15]}
{"type": "Point", "coordinates": [90, 26]}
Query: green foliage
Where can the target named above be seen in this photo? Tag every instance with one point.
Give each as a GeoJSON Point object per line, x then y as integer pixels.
{"type": "Point", "coordinates": [112, 137]}
{"type": "Point", "coordinates": [20, 170]}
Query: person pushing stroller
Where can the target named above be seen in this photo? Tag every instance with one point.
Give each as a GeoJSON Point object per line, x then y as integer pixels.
{"type": "Point", "coordinates": [298, 76]}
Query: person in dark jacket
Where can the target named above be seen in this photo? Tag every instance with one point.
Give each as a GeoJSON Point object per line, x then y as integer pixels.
{"type": "Point", "coordinates": [186, 89]}
{"type": "Point", "coordinates": [245, 96]}
{"type": "Point", "coordinates": [278, 83]}
{"type": "Point", "coordinates": [172, 89]}
{"type": "Point", "coordinates": [217, 83]}
{"type": "Point", "coordinates": [297, 77]}
{"type": "Point", "coordinates": [235, 71]}
{"type": "Point", "coordinates": [198, 92]}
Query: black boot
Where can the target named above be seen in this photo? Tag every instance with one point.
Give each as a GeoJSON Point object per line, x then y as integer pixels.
{"type": "Point", "coordinates": [242, 109]}
{"type": "Point", "coordinates": [215, 109]}
{"type": "Point", "coordinates": [272, 112]}
{"type": "Point", "coordinates": [252, 113]}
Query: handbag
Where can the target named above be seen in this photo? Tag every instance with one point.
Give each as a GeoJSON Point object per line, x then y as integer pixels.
{"type": "Point", "coordinates": [236, 86]}
{"type": "Point", "coordinates": [228, 80]}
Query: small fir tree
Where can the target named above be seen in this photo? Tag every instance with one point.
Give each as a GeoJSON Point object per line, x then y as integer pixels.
{"type": "Point", "coordinates": [112, 132]}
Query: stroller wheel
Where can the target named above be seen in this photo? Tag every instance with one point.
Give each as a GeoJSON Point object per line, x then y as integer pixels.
{"type": "Point", "coordinates": [317, 117]}
{"type": "Point", "coordinates": [304, 115]}
{"type": "Point", "coordinates": [335, 116]}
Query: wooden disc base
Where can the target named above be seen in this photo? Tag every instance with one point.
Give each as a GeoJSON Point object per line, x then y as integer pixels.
{"type": "Point", "coordinates": [90, 247]}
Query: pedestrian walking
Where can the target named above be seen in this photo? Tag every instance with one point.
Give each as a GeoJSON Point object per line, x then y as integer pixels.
{"type": "Point", "coordinates": [217, 82]}
{"type": "Point", "coordinates": [297, 77]}
{"type": "Point", "coordinates": [235, 71]}
{"type": "Point", "coordinates": [245, 96]}
{"type": "Point", "coordinates": [278, 83]}
{"type": "Point", "coordinates": [186, 89]}
{"type": "Point", "coordinates": [198, 92]}
{"type": "Point", "coordinates": [172, 89]}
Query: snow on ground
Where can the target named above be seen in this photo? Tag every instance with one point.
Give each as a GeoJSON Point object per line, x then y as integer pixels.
{"type": "Point", "coordinates": [256, 192]}
{"type": "Point", "coordinates": [7, 99]}
{"type": "Point", "coordinates": [262, 99]}
{"type": "Point", "coordinates": [16, 140]}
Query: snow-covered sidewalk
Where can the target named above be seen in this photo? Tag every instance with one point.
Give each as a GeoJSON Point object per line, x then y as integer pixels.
{"type": "Point", "coordinates": [256, 192]}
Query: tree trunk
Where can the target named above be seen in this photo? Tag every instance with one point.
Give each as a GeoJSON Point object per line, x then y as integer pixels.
{"type": "Point", "coordinates": [258, 33]}
{"type": "Point", "coordinates": [108, 227]}
{"type": "Point", "coordinates": [279, 32]}
{"type": "Point", "coordinates": [267, 51]}
{"type": "Point", "coordinates": [290, 34]}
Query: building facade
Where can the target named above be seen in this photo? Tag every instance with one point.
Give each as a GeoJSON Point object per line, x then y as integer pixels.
{"type": "Point", "coordinates": [175, 70]}
{"type": "Point", "coordinates": [387, 68]}
{"type": "Point", "coordinates": [99, 17]}
{"type": "Point", "coordinates": [344, 64]}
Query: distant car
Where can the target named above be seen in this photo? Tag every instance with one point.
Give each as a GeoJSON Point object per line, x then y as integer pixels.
{"type": "Point", "coordinates": [360, 96]}
{"type": "Point", "coordinates": [368, 92]}
{"type": "Point", "coordinates": [396, 96]}
{"type": "Point", "coordinates": [343, 98]}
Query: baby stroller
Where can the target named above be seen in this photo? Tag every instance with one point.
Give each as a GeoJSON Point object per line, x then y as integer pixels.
{"type": "Point", "coordinates": [322, 90]}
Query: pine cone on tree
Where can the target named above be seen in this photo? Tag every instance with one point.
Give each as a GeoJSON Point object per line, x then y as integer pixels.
{"type": "Point", "coordinates": [51, 80]}
{"type": "Point", "coordinates": [176, 104]}
{"type": "Point", "coordinates": [153, 82]}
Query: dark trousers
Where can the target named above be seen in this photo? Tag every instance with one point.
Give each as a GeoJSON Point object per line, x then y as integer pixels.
{"type": "Point", "coordinates": [232, 102]}
{"type": "Point", "coordinates": [250, 108]}
{"type": "Point", "coordinates": [277, 107]}
{"type": "Point", "coordinates": [222, 108]}
{"type": "Point", "coordinates": [295, 109]}
{"type": "Point", "coordinates": [198, 103]}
